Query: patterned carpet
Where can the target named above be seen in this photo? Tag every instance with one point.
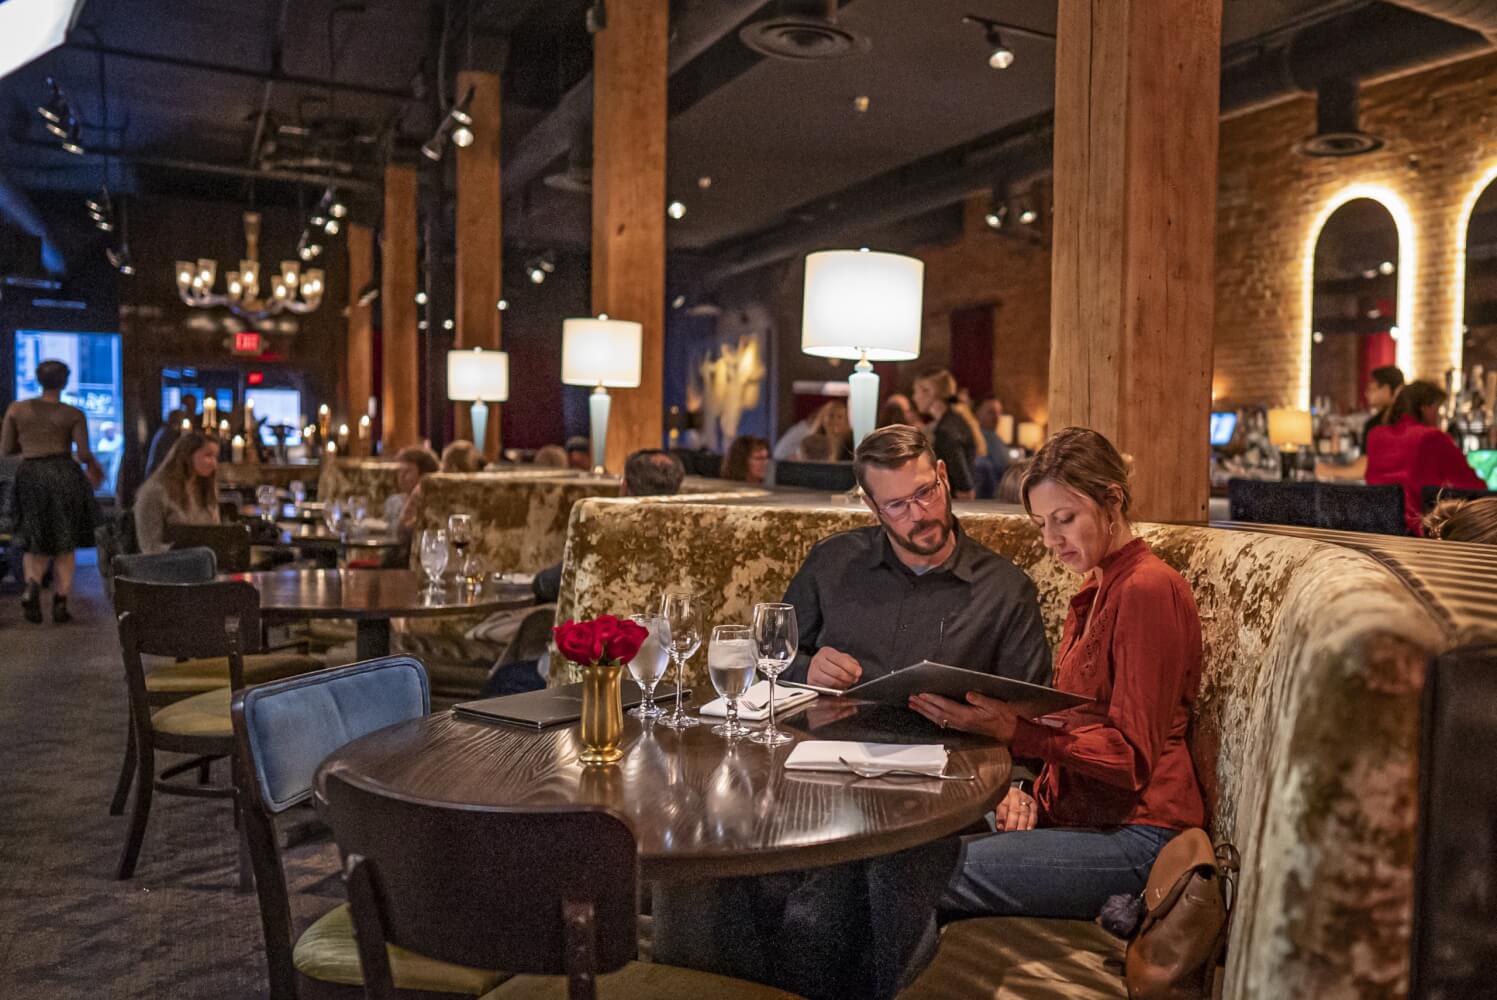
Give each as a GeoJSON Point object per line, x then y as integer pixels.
{"type": "Point", "coordinates": [68, 930]}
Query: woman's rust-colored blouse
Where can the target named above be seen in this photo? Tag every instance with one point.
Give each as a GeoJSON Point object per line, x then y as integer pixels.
{"type": "Point", "coordinates": [1136, 650]}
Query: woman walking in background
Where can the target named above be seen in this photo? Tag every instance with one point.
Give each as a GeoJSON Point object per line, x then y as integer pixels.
{"type": "Point", "coordinates": [54, 501]}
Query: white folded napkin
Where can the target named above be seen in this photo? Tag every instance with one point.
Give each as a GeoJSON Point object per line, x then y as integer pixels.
{"type": "Point", "coordinates": [827, 755]}
{"type": "Point", "coordinates": [753, 705]}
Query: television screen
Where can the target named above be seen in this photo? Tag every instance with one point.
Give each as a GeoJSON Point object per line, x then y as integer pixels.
{"type": "Point", "coordinates": [1223, 426]}
{"type": "Point", "coordinates": [29, 28]}
{"type": "Point", "coordinates": [275, 407]}
{"type": "Point", "coordinates": [95, 386]}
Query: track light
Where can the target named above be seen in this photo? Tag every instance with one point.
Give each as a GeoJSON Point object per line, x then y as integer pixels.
{"type": "Point", "coordinates": [676, 210]}
{"type": "Point", "coordinates": [536, 268]}
{"type": "Point", "coordinates": [432, 148]}
{"type": "Point", "coordinates": [1000, 56]}
{"type": "Point", "coordinates": [121, 260]}
{"type": "Point", "coordinates": [503, 304]}
{"type": "Point", "coordinates": [73, 142]}
{"type": "Point", "coordinates": [421, 298]}
{"type": "Point", "coordinates": [447, 324]}
{"type": "Point", "coordinates": [55, 110]}
{"type": "Point", "coordinates": [462, 136]}
{"type": "Point", "coordinates": [996, 216]}
{"type": "Point", "coordinates": [457, 125]}
{"type": "Point", "coordinates": [331, 227]}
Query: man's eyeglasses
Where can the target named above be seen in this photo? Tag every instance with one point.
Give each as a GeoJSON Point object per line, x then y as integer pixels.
{"type": "Point", "coordinates": [924, 498]}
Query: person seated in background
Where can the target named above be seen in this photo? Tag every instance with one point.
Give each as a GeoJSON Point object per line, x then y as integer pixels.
{"type": "Point", "coordinates": [649, 472]}
{"type": "Point", "coordinates": [166, 435]}
{"type": "Point", "coordinates": [817, 448]}
{"type": "Point", "coordinates": [183, 490]}
{"type": "Point", "coordinates": [579, 454]}
{"type": "Point", "coordinates": [1382, 388]}
{"type": "Point", "coordinates": [462, 456]}
{"type": "Point", "coordinates": [747, 460]}
{"type": "Point", "coordinates": [990, 467]}
{"type": "Point", "coordinates": [1410, 450]}
{"type": "Point", "coordinates": [952, 427]}
{"type": "Point", "coordinates": [552, 456]}
{"type": "Point", "coordinates": [109, 451]}
{"type": "Point", "coordinates": [899, 410]}
{"type": "Point", "coordinates": [1118, 781]}
{"type": "Point", "coordinates": [416, 463]}
{"type": "Point", "coordinates": [829, 419]}
{"type": "Point", "coordinates": [1463, 521]}
{"type": "Point", "coordinates": [1013, 478]}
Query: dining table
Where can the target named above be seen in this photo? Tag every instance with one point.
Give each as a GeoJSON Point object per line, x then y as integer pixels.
{"type": "Point", "coordinates": [372, 597]}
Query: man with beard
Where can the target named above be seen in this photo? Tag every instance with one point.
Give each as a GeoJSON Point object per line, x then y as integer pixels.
{"type": "Point", "coordinates": [912, 587]}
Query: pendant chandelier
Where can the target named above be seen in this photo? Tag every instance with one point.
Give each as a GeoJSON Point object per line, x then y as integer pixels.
{"type": "Point", "coordinates": [289, 291]}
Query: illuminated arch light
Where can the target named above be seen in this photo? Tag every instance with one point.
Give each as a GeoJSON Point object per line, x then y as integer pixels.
{"type": "Point", "coordinates": [1458, 272]}
{"type": "Point", "coordinates": [1403, 222]}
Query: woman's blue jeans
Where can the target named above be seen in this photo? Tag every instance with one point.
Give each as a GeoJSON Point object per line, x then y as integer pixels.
{"type": "Point", "coordinates": [1056, 872]}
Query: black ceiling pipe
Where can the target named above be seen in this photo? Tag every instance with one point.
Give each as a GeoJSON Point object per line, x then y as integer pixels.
{"type": "Point", "coordinates": [699, 26]}
{"type": "Point", "coordinates": [1366, 44]}
{"type": "Point", "coordinates": [15, 206]}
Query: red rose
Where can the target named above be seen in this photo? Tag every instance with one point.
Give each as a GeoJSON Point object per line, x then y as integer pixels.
{"type": "Point", "coordinates": [624, 643]}
{"type": "Point", "coordinates": [578, 642]}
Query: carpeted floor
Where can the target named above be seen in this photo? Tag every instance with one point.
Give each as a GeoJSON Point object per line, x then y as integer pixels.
{"type": "Point", "coordinates": [68, 930]}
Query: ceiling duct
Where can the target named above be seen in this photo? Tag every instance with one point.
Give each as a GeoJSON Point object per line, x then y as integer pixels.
{"type": "Point", "coordinates": [803, 30]}
{"type": "Point", "coordinates": [1473, 15]}
{"type": "Point", "coordinates": [577, 176]}
{"type": "Point", "coordinates": [1337, 132]}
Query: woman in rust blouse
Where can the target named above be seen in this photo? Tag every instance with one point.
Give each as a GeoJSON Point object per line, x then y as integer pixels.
{"type": "Point", "coordinates": [1118, 781]}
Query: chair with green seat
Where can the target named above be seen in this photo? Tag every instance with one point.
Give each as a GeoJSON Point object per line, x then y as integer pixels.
{"type": "Point", "coordinates": [282, 731]}
{"type": "Point", "coordinates": [219, 620]}
{"type": "Point", "coordinates": [548, 894]}
{"type": "Point", "coordinates": [183, 678]}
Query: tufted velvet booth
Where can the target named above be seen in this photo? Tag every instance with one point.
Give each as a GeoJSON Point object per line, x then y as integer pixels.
{"type": "Point", "coordinates": [1307, 722]}
{"type": "Point", "coordinates": [339, 478]}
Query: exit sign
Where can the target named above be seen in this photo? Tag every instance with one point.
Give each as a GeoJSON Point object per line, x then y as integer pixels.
{"type": "Point", "coordinates": [248, 342]}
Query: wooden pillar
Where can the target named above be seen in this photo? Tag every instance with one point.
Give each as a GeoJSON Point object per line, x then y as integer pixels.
{"type": "Point", "coordinates": [1132, 296]}
{"type": "Point", "coordinates": [628, 263]}
{"type": "Point", "coordinates": [480, 245]}
{"type": "Point", "coordinates": [358, 353]}
{"type": "Point", "coordinates": [400, 402]}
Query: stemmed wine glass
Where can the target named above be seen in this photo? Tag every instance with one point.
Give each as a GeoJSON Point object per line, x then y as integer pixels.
{"type": "Point", "coordinates": [266, 498]}
{"type": "Point", "coordinates": [730, 662]}
{"type": "Point", "coordinates": [460, 533]}
{"type": "Point", "coordinates": [682, 611]}
{"type": "Point", "coordinates": [433, 556]}
{"type": "Point", "coordinates": [358, 509]}
{"type": "Point", "coordinates": [649, 664]}
{"type": "Point", "coordinates": [776, 640]}
{"type": "Point", "coordinates": [332, 515]}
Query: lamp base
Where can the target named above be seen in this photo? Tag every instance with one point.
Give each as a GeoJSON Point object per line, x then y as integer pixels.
{"type": "Point", "coordinates": [862, 400]}
{"type": "Point", "coordinates": [479, 414]}
{"type": "Point", "coordinates": [597, 408]}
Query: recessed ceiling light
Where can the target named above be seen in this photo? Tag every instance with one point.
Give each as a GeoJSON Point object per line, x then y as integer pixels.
{"type": "Point", "coordinates": [860, 103]}
{"type": "Point", "coordinates": [704, 182]}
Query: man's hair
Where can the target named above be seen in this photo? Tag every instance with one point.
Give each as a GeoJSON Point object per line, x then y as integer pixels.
{"type": "Point", "coordinates": [578, 444]}
{"type": "Point", "coordinates": [422, 458]}
{"type": "Point", "coordinates": [52, 375]}
{"type": "Point", "coordinates": [651, 472]}
{"type": "Point", "coordinates": [889, 447]}
{"type": "Point", "coordinates": [1388, 376]}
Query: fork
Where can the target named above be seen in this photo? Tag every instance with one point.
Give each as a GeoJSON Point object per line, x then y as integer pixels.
{"type": "Point", "coordinates": [863, 771]}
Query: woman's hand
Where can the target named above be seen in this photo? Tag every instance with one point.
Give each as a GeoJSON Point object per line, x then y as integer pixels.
{"type": "Point", "coordinates": [982, 715]}
{"type": "Point", "coordinates": [1017, 811]}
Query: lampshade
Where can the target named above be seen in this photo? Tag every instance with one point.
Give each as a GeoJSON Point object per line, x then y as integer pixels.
{"type": "Point", "coordinates": [857, 301]}
{"type": "Point", "coordinates": [1290, 428]}
{"type": "Point", "coordinates": [478, 375]}
{"type": "Point", "coordinates": [602, 352]}
{"type": "Point", "coordinates": [1031, 435]}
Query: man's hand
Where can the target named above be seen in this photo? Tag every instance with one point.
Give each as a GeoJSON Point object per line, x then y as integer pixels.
{"type": "Point", "coordinates": [834, 669]}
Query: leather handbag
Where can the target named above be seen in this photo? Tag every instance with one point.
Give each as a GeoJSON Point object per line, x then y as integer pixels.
{"type": "Point", "coordinates": [1177, 928]}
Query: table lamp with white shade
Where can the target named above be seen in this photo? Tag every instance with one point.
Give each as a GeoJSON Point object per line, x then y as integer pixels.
{"type": "Point", "coordinates": [481, 376]}
{"type": "Point", "coordinates": [862, 306]}
{"type": "Point", "coordinates": [605, 354]}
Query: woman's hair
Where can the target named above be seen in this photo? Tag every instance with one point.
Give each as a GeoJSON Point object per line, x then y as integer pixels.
{"type": "Point", "coordinates": [818, 448]}
{"type": "Point", "coordinates": [943, 384]}
{"type": "Point", "coordinates": [462, 456]}
{"type": "Point", "coordinates": [818, 421]}
{"type": "Point", "coordinates": [892, 413]}
{"type": "Point", "coordinates": [422, 458]}
{"type": "Point", "coordinates": [552, 456]}
{"type": "Point", "coordinates": [181, 483]}
{"type": "Point", "coordinates": [1010, 486]}
{"type": "Point", "coordinates": [1413, 398]}
{"type": "Point", "coordinates": [1080, 459]}
{"type": "Point", "coordinates": [1463, 521]}
{"type": "Point", "coordinates": [736, 461]}
{"type": "Point", "coordinates": [52, 375]}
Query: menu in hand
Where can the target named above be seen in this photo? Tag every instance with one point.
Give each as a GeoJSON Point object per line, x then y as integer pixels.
{"type": "Point", "coordinates": [926, 677]}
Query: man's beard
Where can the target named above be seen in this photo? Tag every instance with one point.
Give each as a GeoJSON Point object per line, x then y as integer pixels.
{"type": "Point", "coordinates": [908, 543]}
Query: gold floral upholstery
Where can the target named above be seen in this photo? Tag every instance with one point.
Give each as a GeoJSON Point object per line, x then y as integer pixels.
{"type": "Point", "coordinates": [1306, 725]}
{"type": "Point", "coordinates": [345, 477]}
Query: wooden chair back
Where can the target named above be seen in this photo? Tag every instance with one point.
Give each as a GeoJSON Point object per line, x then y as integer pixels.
{"type": "Point", "coordinates": [282, 731]}
{"type": "Point", "coordinates": [196, 565]}
{"type": "Point", "coordinates": [543, 891]}
{"type": "Point", "coordinates": [230, 542]}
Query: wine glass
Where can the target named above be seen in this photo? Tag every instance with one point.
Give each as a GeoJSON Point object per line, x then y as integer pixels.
{"type": "Point", "coordinates": [730, 663]}
{"type": "Point", "coordinates": [776, 640]}
{"type": "Point", "coordinates": [460, 533]}
{"type": "Point", "coordinates": [358, 509]}
{"type": "Point", "coordinates": [682, 611]}
{"type": "Point", "coordinates": [298, 492]}
{"type": "Point", "coordinates": [649, 664]}
{"type": "Point", "coordinates": [267, 499]}
{"type": "Point", "coordinates": [433, 549]}
{"type": "Point", "coordinates": [332, 516]}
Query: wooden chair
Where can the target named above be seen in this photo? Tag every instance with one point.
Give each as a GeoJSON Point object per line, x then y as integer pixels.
{"type": "Point", "coordinates": [230, 543]}
{"type": "Point", "coordinates": [185, 677]}
{"type": "Point", "coordinates": [282, 731]}
{"type": "Point", "coordinates": [189, 620]}
{"type": "Point", "coordinates": [547, 892]}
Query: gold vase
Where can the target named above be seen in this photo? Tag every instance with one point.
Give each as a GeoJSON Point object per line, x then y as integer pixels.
{"type": "Point", "coordinates": [602, 714]}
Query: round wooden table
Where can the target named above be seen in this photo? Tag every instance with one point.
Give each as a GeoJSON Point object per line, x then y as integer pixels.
{"type": "Point", "coordinates": [371, 597]}
{"type": "Point", "coordinates": [700, 807]}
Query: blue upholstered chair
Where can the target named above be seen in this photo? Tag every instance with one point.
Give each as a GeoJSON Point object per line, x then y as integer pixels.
{"type": "Point", "coordinates": [282, 732]}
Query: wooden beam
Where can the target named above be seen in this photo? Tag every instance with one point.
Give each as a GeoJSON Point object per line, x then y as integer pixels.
{"type": "Point", "coordinates": [480, 246]}
{"type": "Point", "coordinates": [1132, 297]}
{"type": "Point", "coordinates": [628, 262]}
{"type": "Point", "coordinates": [400, 402]}
{"type": "Point", "coordinates": [357, 383]}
